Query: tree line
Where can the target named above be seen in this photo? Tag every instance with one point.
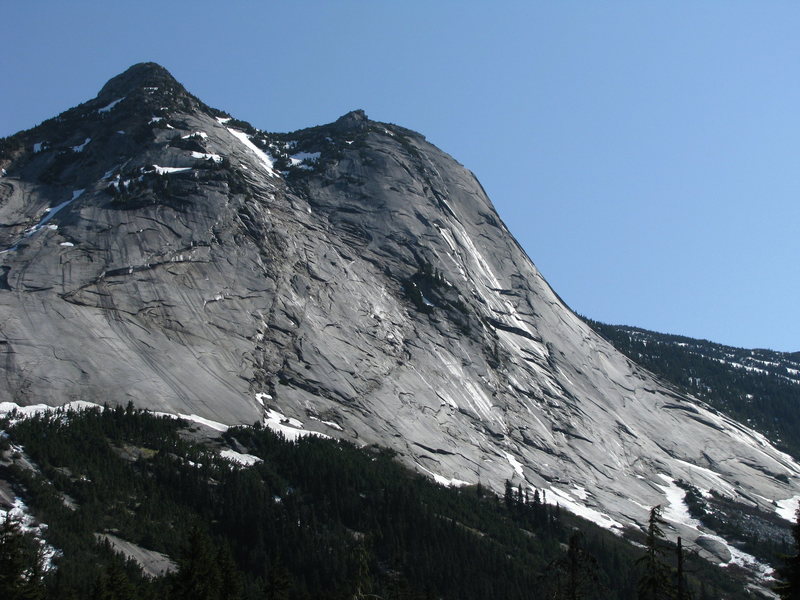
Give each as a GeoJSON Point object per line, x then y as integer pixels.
{"type": "Point", "coordinates": [315, 518]}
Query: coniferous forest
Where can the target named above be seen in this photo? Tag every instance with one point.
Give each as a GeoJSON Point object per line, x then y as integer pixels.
{"type": "Point", "coordinates": [315, 518]}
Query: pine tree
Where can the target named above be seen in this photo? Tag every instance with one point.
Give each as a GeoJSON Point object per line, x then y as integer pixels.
{"type": "Point", "coordinates": [21, 563]}
{"type": "Point", "coordinates": [363, 582]}
{"type": "Point", "coordinates": [682, 591]}
{"type": "Point", "coordinates": [231, 578]}
{"type": "Point", "coordinates": [198, 577]}
{"type": "Point", "coordinates": [654, 583]}
{"type": "Point", "coordinates": [789, 572]}
{"type": "Point", "coordinates": [508, 495]}
{"type": "Point", "coordinates": [576, 573]}
{"type": "Point", "coordinates": [113, 584]}
{"type": "Point", "coordinates": [278, 585]}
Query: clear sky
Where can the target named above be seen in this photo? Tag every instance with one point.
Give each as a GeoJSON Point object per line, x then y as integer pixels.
{"type": "Point", "coordinates": [645, 154]}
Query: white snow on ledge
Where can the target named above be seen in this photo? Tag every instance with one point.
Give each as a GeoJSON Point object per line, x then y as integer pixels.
{"type": "Point", "coordinates": [441, 480]}
{"type": "Point", "coordinates": [34, 409]}
{"type": "Point", "coordinates": [676, 509]}
{"type": "Point", "coordinates": [788, 508]}
{"type": "Point", "coordinates": [27, 523]}
{"type": "Point", "coordinates": [265, 160]}
{"type": "Point", "coordinates": [7, 408]}
{"type": "Point", "coordinates": [215, 425]}
{"type": "Point", "coordinates": [565, 500]}
{"type": "Point", "coordinates": [110, 106]}
{"type": "Point", "coordinates": [206, 156]}
{"type": "Point", "coordinates": [246, 460]}
{"type": "Point", "coordinates": [297, 159]}
{"type": "Point", "coordinates": [290, 428]}
{"type": "Point", "coordinates": [330, 424]}
{"type": "Point", "coordinates": [512, 460]}
{"type": "Point", "coordinates": [80, 147]}
{"type": "Point", "coordinates": [51, 212]}
{"type": "Point", "coordinates": [168, 170]}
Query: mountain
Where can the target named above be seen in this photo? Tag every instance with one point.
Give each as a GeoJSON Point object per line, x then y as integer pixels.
{"type": "Point", "coordinates": [755, 386]}
{"type": "Point", "coordinates": [348, 280]}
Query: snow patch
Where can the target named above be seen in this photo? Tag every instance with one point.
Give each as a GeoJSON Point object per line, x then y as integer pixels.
{"type": "Point", "coordinates": [580, 492]}
{"type": "Point", "coordinates": [110, 106]}
{"type": "Point", "coordinates": [716, 481]}
{"type": "Point", "coordinates": [283, 419]}
{"type": "Point", "coordinates": [266, 161]}
{"type": "Point", "coordinates": [297, 159]}
{"type": "Point", "coordinates": [246, 460]}
{"type": "Point", "coordinates": [676, 509]}
{"type": "Point", "coordinates": [677, 512]}
{"type": "Point", "coordinates": [330, 424]}
{"type": "Point", "coordinates": [203, 156]}
{"type": "Point", "coordinates": [22, 412]}
{"type": "Point", "coordinates": [441, 480]}
{"type": "Point", "coordinates": [290, 428]}
{"type": "Point", "coordinates": [744, 560]}
{"type": "Point", "coordinates": [215, 425]}
{"type": "Point", "coordinates": [448, 237]}
{"type": "Point", "coordinates": [512, 460]}
{"type": "Point", "coordinates": [565, 500]}
{"type": "Point", "coordinates": [787, 508]}
{"type": "Point", "coordinates": [168, 170]}
{"type": "Point", "coordinates": [28, 524]}
{"type": "Point", "coordinates": [37, 147]}
{"type": "Point", "coordinates": [80, 147]}
{"type": "Point", "coordinates": [67, 244]}
{"type": "Point", "coordinates": [223, 120]}
{"type": "Point", "coordinates": [52, 212]}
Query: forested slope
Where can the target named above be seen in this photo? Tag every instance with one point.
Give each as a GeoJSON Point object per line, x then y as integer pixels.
{"type": "Point", "coordinates": [313, 518]}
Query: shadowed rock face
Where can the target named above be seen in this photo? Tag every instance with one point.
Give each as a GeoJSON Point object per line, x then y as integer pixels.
{"type": "Point", "coordinates": [352, 272]}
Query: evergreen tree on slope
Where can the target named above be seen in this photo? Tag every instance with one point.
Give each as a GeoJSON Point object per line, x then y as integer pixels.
{"type": "Point", "coordinates": [654, 583]}
{"type": "Point", "coordinates": [789, 573]}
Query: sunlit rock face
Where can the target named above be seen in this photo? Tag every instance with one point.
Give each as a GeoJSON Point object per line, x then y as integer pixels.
{"type": "Point", "coordinates": [351, 277]}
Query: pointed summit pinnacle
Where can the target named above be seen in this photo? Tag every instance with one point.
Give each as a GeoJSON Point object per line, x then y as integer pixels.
{"type": "Point", "coordinates": [138, 76]}
{"type": "Point", "coordinates": [354, 120]}
{"type": "Point", "coordinates": [152, 85]}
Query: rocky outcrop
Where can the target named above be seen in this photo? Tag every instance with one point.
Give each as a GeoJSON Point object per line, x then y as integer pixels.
{"type": "Point", "coordinates": [351, 277]}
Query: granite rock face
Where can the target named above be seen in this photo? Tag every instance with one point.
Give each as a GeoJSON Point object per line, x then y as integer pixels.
{"type": "Point", "coordinates": [350, 276]}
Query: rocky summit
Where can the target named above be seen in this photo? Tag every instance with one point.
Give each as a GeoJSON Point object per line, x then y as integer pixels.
{"type": "Point", "coordinates": [349, 280]}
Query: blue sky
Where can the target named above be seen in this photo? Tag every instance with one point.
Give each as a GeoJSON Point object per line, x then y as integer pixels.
{"type": "Point", "coordinates": [645, 154]}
